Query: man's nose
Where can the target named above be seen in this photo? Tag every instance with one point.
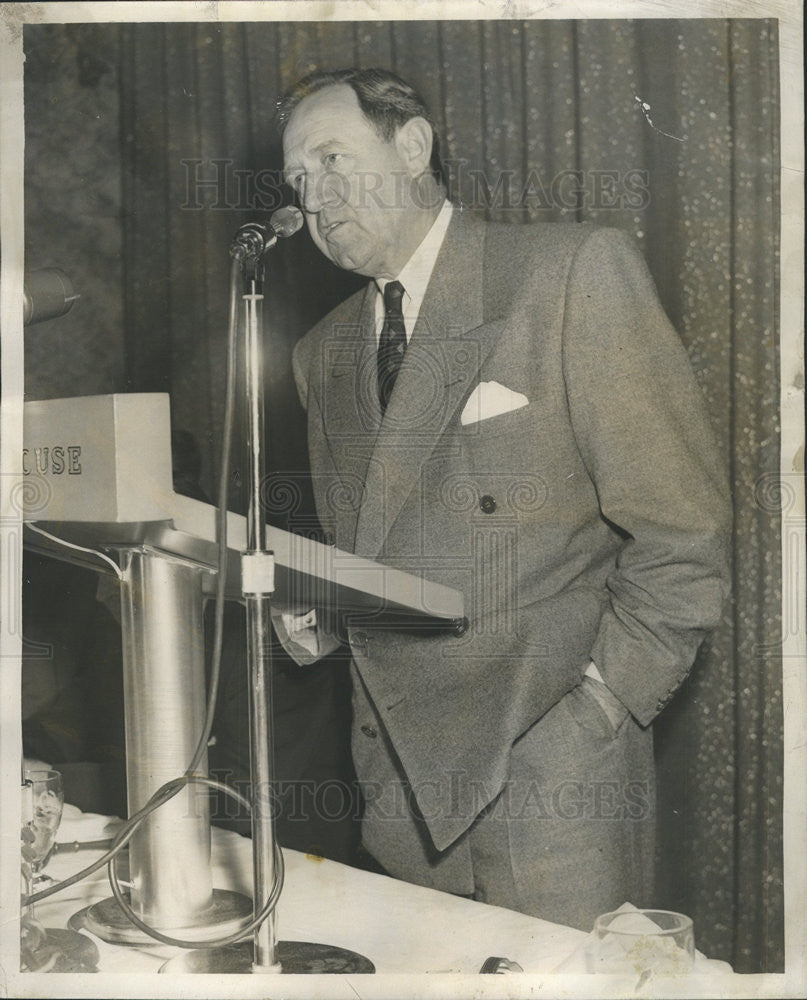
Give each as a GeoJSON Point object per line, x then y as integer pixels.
{"type": "Point", "coordinates": [324, 191]}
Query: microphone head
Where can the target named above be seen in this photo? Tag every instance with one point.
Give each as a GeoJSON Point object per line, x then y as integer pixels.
{"type": "Point", "coordinates": [286, 221]}
{"type": "Point", "coordinates": [47, 293]}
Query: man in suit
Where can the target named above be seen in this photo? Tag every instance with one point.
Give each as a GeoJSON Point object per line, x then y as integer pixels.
{"type": "Point", "coordinates": [505, 410]}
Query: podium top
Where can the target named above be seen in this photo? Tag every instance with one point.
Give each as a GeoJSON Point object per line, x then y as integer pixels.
{"type": "Point", "coordinates": [101, 466]}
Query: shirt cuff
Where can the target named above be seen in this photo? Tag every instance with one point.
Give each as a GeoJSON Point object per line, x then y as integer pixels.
{"type": "Point", "coordinates": [302, 629]}
{"type": "Point", "coordinates": [306, 637]}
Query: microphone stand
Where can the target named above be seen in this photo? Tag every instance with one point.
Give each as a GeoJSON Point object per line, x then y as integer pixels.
{"type": "Point", "coordinates": [257, 570]}
{"type": "Point", "coordinates": [267, 955]}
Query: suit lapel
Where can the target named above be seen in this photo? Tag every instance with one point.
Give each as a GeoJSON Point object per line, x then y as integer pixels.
{"type": "Point", "coordinates": [444, 354]}
{"type": "Point", "coordinates": [350, 410]}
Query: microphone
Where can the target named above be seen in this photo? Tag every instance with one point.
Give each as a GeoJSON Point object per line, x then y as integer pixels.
{"type": "Point", "coordinates": [287, 221]}
{"type": "Point", "coordinates": [47, 293]}
{"type": "Point", "coordinates": [255, 238]}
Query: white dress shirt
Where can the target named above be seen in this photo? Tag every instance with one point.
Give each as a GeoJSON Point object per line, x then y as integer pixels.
{"type": "Point", "coordinates": [415, 275]}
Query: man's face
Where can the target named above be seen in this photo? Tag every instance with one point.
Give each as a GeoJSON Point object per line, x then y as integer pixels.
{"type": "Point", "coordinates": [352, 185]}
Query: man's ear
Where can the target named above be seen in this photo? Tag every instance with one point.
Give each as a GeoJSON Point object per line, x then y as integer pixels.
{"type": "Point", "coordinates": [413, 140]}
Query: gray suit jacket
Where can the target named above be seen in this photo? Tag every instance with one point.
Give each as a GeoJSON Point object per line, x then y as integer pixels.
{"type": "Point", "coordinates": [591, 523]}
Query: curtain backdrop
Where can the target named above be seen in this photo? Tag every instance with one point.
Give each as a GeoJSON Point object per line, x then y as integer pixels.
{"type": "Point", "coordinates": [666, 129]}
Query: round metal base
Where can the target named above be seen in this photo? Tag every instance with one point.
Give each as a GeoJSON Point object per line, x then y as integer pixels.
{"type": "Point", "coordinates": [228, 912]}
{"type": "Point", "coordinates": [294, 957]}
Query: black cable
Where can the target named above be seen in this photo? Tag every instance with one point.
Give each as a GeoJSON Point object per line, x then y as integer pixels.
{"type": "Point", "coordinates": [221, 517]}
{"type": "Point", "coordinates": [257, 920]}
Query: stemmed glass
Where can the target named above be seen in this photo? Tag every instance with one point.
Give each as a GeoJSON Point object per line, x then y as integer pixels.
{"type": "Point", "coordinates": [46, 949]}
{"type": "Point", "coordinates": [42, 804]}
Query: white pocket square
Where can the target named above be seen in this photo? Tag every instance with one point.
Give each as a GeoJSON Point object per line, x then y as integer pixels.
{"type": "Point", "coordinates": [491, 399]}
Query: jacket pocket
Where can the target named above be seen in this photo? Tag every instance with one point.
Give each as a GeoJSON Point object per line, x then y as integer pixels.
{"type": "Point", "coordinates": [595, 707]}
{"type": "Point", "coordinates": [514, 421]}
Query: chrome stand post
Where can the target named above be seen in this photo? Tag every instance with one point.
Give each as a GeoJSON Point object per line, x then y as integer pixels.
{"type": "Point", "coordinates": [164, 704]}
{"type": "Point", "coordinates": [257, 570]}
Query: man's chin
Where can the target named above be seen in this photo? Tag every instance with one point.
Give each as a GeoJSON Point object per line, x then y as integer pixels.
{"type": "Point", "coordinates": [347, 261]}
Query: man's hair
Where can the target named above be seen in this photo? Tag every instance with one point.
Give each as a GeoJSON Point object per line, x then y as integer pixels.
{"type": "Point", "coordinates": [387, 102]}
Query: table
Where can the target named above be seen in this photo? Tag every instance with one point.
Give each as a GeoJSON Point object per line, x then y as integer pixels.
{"type": "Point", "coordinates": [407, 931]}
{"type": "Point", "coordinates": [401, 928]}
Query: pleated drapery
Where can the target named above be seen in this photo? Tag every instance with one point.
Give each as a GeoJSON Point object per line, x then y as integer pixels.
{"type": "Point", "coordinates": [666, 129]}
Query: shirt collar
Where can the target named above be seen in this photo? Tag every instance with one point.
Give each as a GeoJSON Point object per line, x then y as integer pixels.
{"type": "Point", "coordinates": [416, 273]}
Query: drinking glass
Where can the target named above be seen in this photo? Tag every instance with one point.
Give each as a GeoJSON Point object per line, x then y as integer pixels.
{"type": "Point", "coordinates": [46, 949]}
{"type": "Point", "coordinates": [42, 804]}
{"type": "Point", "coordinates": [642, 942]}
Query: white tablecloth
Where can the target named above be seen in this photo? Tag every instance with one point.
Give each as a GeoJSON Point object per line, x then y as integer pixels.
{"type": "Point", "coordinates": [401, 928]}
{"type": "Point", "coordinates": [405, 930]}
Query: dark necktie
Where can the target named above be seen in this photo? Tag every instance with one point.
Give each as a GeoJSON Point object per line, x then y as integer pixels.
{"type": "Point", "coordinates": [392, 344]}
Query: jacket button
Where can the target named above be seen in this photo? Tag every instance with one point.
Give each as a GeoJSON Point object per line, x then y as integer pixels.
{"type": "Point", "coordinates": [369, 731]}
{"type": "Point", "coordinates": [460, 626]}
{"type": "Point", "coordinates": [487, 504]}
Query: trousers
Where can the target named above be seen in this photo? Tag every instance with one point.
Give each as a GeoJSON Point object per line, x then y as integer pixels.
{"type": "Point", "coordinates": [572, 833]}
